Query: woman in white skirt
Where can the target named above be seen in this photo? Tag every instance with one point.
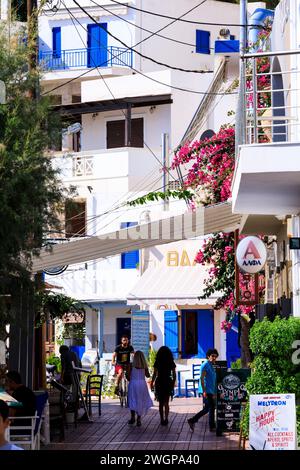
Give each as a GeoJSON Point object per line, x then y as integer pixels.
{"type": "Point", "coordinates": [139, 400]}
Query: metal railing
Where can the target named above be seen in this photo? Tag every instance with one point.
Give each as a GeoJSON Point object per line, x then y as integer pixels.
{"type": "Point", "coordinates": [89, 57]}
{"type": "Point", "coordinates": [271, 99]}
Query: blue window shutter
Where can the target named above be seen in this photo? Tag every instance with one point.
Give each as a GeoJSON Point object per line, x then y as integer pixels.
{"type": "Point", "coordinates": [171, 331]}
{"type": "Point", "coordinates": [205, 331]}
{"type": "Point", "coordinates": [202, 41]}
{"type": "Point", "coordinates": [130, 259]}
{"type": "Point", "coordinates": [56, 42]}
{"type": "Point", "coordinates": [233, 351]}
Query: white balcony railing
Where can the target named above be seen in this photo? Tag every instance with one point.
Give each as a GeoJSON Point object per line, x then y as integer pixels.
{"type": "Point", "coordinates": [271, 97]}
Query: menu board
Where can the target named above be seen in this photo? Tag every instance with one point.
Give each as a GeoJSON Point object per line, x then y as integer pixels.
{"type": "Point", "coordinates": [140, 328]}
{"type": "Point", "coordinates": [231, 393]}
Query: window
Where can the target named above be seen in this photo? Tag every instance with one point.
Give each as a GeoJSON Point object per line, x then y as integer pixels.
{"type": "Point", "coordinates": [56, 42]}
{"type": "Point", "coordinates": [115, 133]}
{"type": "Point", "coordinates": [130, 259]}
{"type": "Point", "coordinates": [76, 98]}
{"type": "Point", "coordinates": [75, 218]}
{"type": "Point", "coordinates": [202, 41]}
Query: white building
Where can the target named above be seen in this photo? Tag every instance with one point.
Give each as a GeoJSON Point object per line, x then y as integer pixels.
{"type": "Point", "coordinates": [114, 81]}
{"type": "Point", "coordinates": [266, 184]}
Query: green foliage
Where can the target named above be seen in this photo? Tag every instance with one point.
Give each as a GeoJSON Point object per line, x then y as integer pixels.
{"type": "Point", "coordinates": [54, 360]}
{"type": "Point", "coordinates": [50, 305]}
{"type": "Point", "coordinates": [75, 331]}
{"type": "Point", "coordinates": [237, 364]}
{"type": "Point", "coordinates": [159, 195]}
{"type": "Point", "coordinates": [273, 370]}
{"type": "Point", "coordinates": [151, 359]}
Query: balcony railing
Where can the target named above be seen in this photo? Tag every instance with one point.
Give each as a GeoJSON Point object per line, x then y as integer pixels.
{"type": "Point", "coordinates": [89, 57]}
{"type": "Point", "coordinates": [271, 111]}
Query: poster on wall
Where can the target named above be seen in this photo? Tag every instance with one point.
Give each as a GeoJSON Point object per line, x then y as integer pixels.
{"type": "Point", "coordinates": [140, 329]}
{"type": "Point", "coordinates": [231, 393]}
{"type": "Point", "coordinates": [273, 422]}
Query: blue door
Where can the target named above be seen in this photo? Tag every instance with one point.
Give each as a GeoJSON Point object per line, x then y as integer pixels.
{"type": "Point", "coordinates": [56, 42]}
{"type": "Point", "coordinates": [206, 336]}
{"type": "Point", "coordinates": [123, 328]}
{"type": "Point", "coordinates": [171, 331]}
{"type": "Point", "coordinates": [97, 45]}
{"type": "Point", "coordinates": [233, 351]}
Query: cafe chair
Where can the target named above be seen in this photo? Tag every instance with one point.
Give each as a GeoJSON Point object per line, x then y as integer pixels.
{"type": "Point", "coordinates": [94, 388]}
{"type": "Point", "coordinates": [192, 384]}
{"type": "Point", "coordinates": [28, 435]}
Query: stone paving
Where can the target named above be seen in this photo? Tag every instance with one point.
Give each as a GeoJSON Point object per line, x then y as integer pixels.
{"type": "Point", "coordinates": [110, 431]}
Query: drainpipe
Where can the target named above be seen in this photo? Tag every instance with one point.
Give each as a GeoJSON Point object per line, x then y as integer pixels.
{"type": "Point", "coordinates": [255, 22]}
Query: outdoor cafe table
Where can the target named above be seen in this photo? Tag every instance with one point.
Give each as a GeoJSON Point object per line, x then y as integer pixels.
{"type": "Point", "coordinates": [11, 401]}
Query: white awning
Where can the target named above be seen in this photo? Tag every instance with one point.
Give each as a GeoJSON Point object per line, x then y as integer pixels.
{"type": "Point", "coordinates": [203, 221]}
{"type": "Point", "coordinates": [171, 285]}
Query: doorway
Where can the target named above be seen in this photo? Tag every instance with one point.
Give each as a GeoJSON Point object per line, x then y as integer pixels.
{"type": "Point", "coordinates": [123, 328]}
{"type": "Point", "coordinates": [197, 332]}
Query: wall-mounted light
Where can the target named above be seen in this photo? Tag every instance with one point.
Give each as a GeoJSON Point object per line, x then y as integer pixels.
{"type": "Point", "coordinates": [152, 108]}
{"type": "Point", "coordinates": [94, 115]}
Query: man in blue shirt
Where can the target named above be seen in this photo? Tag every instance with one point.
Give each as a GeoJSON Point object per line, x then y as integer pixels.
{"type": "Point", "coordinates": [208, 388]}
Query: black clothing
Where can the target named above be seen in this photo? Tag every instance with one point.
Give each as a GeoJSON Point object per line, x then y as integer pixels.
{"type": "Point", "coordinates": [164, 383]}
{"type": "Point", "coordinates": [67, 357]}
{"type": "Point", "coordinates": [123, 354]}
{"type": "Point", "coordinates": [27, 398]}
{"type": "Point", "coordinates": [209, 407]}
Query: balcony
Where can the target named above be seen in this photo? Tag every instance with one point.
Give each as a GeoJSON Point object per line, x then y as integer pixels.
{"type": "Point", "coordinates": [128, 163]}
{"type": "Point", "coordinates": [69, 59]}
{"type": "Point", "coordinates": [267, 171]}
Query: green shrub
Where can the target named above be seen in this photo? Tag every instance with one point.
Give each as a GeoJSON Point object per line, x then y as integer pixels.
{"type": "Point", "coordinates": [54, 360]}
{"type": "Point", "coordinates": [272, 369]}
{"type": "Point", "coordinates": [151, 360]}
{"type": "Point", "coordinates": [237, 364]}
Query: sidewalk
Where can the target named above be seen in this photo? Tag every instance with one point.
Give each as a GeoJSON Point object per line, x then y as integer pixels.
{"type": "Point", "coordinates": [110, 431]}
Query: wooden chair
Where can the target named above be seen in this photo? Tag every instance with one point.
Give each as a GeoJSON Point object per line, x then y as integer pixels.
{"type": "Point", "coordinates": [94, 387]}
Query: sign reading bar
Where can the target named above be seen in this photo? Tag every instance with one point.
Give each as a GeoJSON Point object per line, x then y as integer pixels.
{"type": "Point", "coordinates": [273, 422]}
{"type": "Point", "coordinates": [140, 330]}
{"type": "Point", "coordinates": [231, 392]}
{"type": "Point", "coordinates": [251, 255]}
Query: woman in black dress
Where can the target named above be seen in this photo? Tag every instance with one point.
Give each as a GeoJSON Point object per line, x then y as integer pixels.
{"type": "Point", "coordinates": [163, 381]}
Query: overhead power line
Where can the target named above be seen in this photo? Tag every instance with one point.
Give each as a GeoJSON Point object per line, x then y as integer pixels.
{"type": "Point", "coordinates": [153, 33]}
{"type": "Point", "coordinates": [139, 53]}
{"type": "Point", "coordinates": [173, 18]}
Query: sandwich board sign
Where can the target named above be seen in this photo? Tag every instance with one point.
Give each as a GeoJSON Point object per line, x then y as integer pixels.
{"type": "Point", "coordinates": [273, 422]}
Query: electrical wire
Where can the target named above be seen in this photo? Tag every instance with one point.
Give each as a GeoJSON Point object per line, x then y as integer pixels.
{"type": "Point", "coordinates": [72, 17]}
{"type": "Point", "coordinates": [180, 69]}
{"type": "Point", "coordinates": [173, 18]}
{"type": "Point", "coordinates": [153, 33]}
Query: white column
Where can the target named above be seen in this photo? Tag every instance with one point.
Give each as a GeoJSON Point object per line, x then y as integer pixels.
{"type": "Point", "coordinates": [296, 268]}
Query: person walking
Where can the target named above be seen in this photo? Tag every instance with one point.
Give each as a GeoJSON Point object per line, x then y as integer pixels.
{"type": "Point", "coordinates": [163, 381]}
{"type": "Point", "coordinates": [139, 400]}
{"type": "Point", "coordinates": [207, 386]}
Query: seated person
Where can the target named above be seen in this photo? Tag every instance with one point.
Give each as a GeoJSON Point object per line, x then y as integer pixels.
{"type": "Point", "coordinates": [22, 394]}
{"type": "Point", "coordinates": [4, 423]}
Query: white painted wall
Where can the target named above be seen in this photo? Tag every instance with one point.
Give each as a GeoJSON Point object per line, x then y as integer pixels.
{"type": "Point", "coordinates": [110, 326]}
{"type": "Point", "coordinates": [91, 322]}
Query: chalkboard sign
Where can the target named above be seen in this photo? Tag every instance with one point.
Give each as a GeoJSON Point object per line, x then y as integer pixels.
{"type": "Point", "coordinates": [231, 393]}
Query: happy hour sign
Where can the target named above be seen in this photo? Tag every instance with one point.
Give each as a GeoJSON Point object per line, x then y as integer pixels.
{"type": "Point", "coordinates": [272, 422]}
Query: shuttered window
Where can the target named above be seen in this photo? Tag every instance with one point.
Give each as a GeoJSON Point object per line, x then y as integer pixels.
{"type": "Point", "coordinates": [202, 41]}
{"type": "Point", "coordinates": [115, 131]}
{"type": "Point", "coordinates": [75, 222]}
{"type": "Point", "coordinates": [130, 259]}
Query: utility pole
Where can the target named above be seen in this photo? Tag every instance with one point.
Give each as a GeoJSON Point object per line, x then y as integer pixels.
{"type": "Point", "coordinates": [165, 160]}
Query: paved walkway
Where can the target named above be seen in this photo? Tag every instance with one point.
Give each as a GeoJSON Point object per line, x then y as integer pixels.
{"type": "Point", "coordinates": [110, 431]}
